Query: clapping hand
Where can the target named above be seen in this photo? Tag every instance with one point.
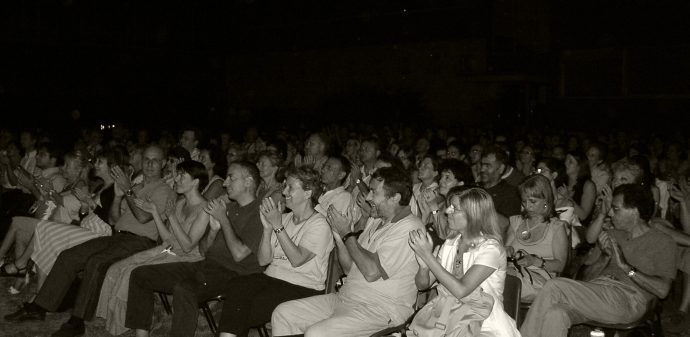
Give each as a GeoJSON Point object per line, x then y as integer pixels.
{"type": "Point", "coordinates": [364, 205]}
{"type": "Point", "coordinates": [680, 193]}
{"type": "Point", "coordinates": [121, 179]}
{"type": "Point", "coordinates": [216, 208]}
{"type": "Point", "coordinates": [146, 205]}
{"type": "Point", "coordinates": [341, 224]}
{"type": "Point", "coordinates": [270, 214]}
{"type": "Point", "coordinates": [421, 243]}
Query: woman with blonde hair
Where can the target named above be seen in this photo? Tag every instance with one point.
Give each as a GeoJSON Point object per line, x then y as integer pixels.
{"type": "Point", "coordinates": [470, 268]}
{"type": "Point", "coordinates": [537, 241]}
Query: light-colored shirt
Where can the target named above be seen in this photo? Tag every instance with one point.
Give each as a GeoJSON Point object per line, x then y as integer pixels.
{"type": "Point", "coordinates": [338, 197]}
{"type": "Point", "coordinates": [314, 234]}
{"type": "Point", "coordinates": [397, 293]}
{"type": "Point", "coordinates": [417, 194]}
{"type": "Point", "coordinates": [159, 193]}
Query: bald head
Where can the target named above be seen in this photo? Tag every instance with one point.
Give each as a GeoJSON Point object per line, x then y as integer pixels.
{"type": "Point", "coordinates": [152, 162]}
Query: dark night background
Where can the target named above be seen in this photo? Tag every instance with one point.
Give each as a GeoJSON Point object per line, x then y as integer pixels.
{"type": "Point", "coordinates": [472, 62]}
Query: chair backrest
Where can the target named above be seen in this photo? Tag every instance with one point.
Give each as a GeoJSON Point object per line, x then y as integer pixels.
{"type": "Point", "coordinates": [511, 296]}
{"type": "Point", "coordinates": [333, 272]}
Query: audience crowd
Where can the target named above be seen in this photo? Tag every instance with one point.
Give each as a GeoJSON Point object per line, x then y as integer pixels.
{"type": "Point", "coordinates": [595, 226]}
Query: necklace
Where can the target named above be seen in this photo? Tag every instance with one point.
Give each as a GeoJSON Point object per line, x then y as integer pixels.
{"type": "Point", "coordinates": [527, 234]}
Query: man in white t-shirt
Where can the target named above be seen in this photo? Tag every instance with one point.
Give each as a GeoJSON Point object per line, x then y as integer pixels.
{"type": "Point", "coordinates": [380, 289]}
{"type": "Point", "coordinates": [333, 175]}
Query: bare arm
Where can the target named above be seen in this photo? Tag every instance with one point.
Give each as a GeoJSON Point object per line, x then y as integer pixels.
{"type": "Point", "coordinates": [265, 254]}
{"type": "Point", "coordinates": [367, 262]}
{"type": "Point", "coordinates": [190, 240]}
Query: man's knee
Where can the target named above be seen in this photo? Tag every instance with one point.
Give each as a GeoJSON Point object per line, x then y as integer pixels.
{"type": "Point", "coordinates": [319, 329]}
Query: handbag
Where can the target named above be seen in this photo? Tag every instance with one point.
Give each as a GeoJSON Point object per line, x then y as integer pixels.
{"type": "Point", "coordinates": [533, 279]}
{"type": "Point", "coordinates": [447, 316]}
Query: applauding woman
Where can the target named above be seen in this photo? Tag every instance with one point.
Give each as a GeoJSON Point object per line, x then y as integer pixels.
{"type": "Point", "coordinates": [295, 246]}
{"type": "Point", "coordinates": [470, 268]}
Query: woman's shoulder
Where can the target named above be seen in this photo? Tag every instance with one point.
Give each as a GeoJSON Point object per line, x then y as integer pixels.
{"type": "Point", "coordinates": [557, 223]}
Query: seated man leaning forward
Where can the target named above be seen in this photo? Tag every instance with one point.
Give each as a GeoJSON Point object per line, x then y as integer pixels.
{"type": "Point", "coordinates": [638, 265]}
{"type": "Point", "coordinates": [380, 288]}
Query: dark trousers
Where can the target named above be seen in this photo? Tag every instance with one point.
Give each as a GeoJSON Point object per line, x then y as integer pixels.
{"type": "Point", "coordinates": [188, 282]}
{"type": "Point", "coordinates": [250, 300]}
{"type": "Point", "coordinates": [94, 257]}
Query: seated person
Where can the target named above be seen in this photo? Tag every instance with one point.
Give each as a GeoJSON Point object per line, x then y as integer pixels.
{"type": "Point", "coordinates": [638, 265]}
{"type": "Point", "coordinates": [229, 250]}
{"type": "Point", "coordinates": [215, 163]}
{"type": "Point", "coordinates": [380, 291]}
{"type": "Point", "coordinates": [333, 175]}
{"type": "Point", "coordinates": [537, 240]}
{"type": "Point", "coordinates": [187, 223]}
{"type": "Point", "coordinates": [295, 246]}
{"type": "Point", "coordinates": [51, 237]}
{"type": "Point", "coordinates": [52, 189]}
{"type": "Point", "coordinates": [470, 268]}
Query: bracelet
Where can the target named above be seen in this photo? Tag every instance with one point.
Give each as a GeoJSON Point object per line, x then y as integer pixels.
{"type": "Point", "coordinates": [278, 230]}
{"type": "Point", "coordinates": [632, 271]}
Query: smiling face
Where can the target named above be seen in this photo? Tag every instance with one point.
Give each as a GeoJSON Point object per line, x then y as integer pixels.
{"type": "Point", "coordinates": [491, 170]}
{"type": "Point", "coordinates": [236, 182]}
{"type": "Point", "coordinates": [294, 193]}
{"type": "Point", "coordinates": [381, 206]}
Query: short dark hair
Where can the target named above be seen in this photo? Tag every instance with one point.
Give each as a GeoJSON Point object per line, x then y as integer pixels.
{"type": "Point", "coordinates": [395, 180]}
{"type": "Point", "coordinates": [251, 170]}
{"type": "Point", "coordinates": [310, 180]}
{"type": "Point", "coordinates": [178, 152]}
{"type": "Point", "coordinates": [218, 159]}
{"type": "Point", "coordinates": [497, 151]}
{"type": "Point", "coordinates": [345, 164]}
{"type": "Point", "coordinates": [196, 170]}
{"type": "Point", "coordinates": [639, 197]}
{"type": "Point", "coordinates": [116, 155]}
{"type": "Point", "coordinates": [555, 165]}
{"type": "Point", "coordinates": [54, 151]}
{"type": "Point", "coordinates": [372, 140]}
{"type": "Point", "coordinates": [460, 170]}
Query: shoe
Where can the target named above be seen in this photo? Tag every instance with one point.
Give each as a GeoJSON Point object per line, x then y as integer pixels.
{"type": "Point", "coordinates": [28, 312]}
{"type": "Point", "coordinates": [69, 330]}
{"type": "Point", "coordinates": [10, 269]}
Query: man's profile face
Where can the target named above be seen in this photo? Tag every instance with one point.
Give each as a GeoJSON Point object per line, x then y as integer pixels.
{"type": "Point", "coordinates": [490, 171]}
{"type": "Point", "coordinates": [331, 172]}
{"type": "Point", "coordinates": [235, 182]}
{"type": "Point", "coordinates": [377, 198]}
{"type": "Point", "coordinates": [621, 217]}
{"type": "Point", "coordinates": [622, 177]}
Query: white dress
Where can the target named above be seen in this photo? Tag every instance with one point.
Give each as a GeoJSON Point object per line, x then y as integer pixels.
{"type": "Point", "coordinates": [491, 254]}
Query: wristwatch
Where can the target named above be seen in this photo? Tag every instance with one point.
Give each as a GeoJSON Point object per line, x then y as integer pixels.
{"type": "Point", "coordinates": [348, 235]}
{"type": "Point", "coordinates": [632, 271]}
{"type": "Point", "coordinates": [278, 230]}
{"type": "Point", "coordinates": [434, 212]}
{"type": "Point", "coordinates": [129, 193]}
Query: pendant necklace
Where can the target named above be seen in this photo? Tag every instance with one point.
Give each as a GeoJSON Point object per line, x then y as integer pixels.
{"type": "Point", "coordinates": [527, 234]}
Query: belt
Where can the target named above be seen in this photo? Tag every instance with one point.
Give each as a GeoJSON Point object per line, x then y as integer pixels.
{"type": "Point", "coordinates": [130, 233]}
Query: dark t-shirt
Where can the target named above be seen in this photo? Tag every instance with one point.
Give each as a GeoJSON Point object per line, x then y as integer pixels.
{"type": "Point", "coordinates": [652, 253]}
{"type": "Point", "coordinates": [247, 225]}
{"type": "Point", "coordinates": [107, 197]}
{"type": "Point", "coordinates": [506, 199]}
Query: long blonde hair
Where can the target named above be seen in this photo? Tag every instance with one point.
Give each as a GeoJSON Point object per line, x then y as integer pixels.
{"type": "Point", "coordinates": [482, 220]}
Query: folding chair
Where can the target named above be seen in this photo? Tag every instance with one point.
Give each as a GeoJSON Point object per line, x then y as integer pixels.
{"type": "Point", "coordinates": [332, 276]}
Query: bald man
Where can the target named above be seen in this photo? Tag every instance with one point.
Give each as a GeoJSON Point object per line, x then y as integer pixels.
{"type": "Point", "coordinates": [134, 232]}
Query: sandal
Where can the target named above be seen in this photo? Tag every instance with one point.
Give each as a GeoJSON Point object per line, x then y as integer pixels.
{"type": "Point", "coordinates": [14, 272]}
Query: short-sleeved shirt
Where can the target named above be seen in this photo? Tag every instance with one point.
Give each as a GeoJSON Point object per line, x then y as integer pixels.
{"type": "Point", "coordinates": [338, 197]}
{"type": "Point", "coordinates": [652, 253]}
{"type": "Point", "coordinates": [247, 225]}
{"type": "Point", "coordinates": [159, 193]}
{"type": "Point", "coordinates": [506, 198]}
{"type": "Point", "coordinates": [313, 234]}
{"type": "Point", "coordinates": [417, 191]}
{"type": "Point", "coordinates": [397, 293]}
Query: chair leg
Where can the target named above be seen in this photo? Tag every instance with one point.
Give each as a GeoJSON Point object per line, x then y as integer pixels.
{"type": "Point", "coordinates": [209, 318]}
{"type": "Point", "coordinates": [166, 303]}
